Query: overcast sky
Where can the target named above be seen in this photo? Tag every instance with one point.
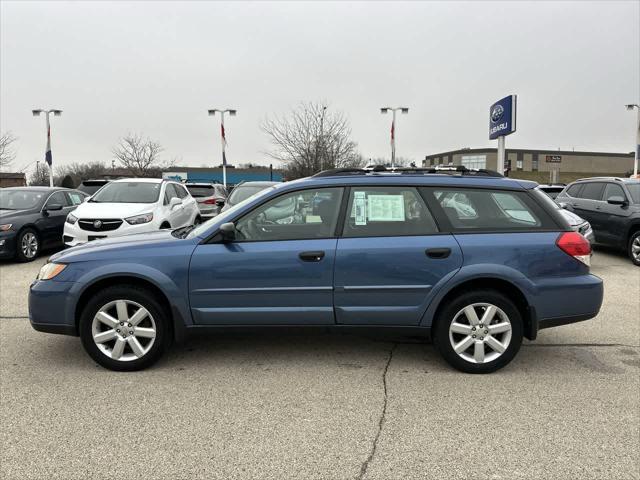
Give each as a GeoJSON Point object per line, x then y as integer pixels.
{"type": "Point", "coordinates": [156, 67]}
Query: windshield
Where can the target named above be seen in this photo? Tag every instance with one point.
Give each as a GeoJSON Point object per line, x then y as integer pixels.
{"type": "Point", "coordinates": [20, 199]}
{"type": "Point", "coordinates": [226, 215]}
{"type": "Point", "coordinates": [634, 190]}
{"type": "Point", "coordinates": [128, 192]}
{"type": "Point", "coordinates": [241, 193]}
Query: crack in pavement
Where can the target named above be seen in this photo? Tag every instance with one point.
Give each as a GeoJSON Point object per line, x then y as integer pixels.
{"type": "Point", "coordinates": [383, 417]}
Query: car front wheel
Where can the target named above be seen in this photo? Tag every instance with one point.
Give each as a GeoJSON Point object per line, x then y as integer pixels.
{"type": "Point", "coordinates": [634, 248]}
{"type": "Point", "coordinates": [479, 332]}
{"type": "Point", "coordinates": [124, 328]}
{"type": "Point", "coordinates": [28, 245]}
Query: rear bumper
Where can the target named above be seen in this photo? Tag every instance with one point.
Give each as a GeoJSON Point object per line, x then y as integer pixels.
{"type": "Point", "coordinates": [559, 321]}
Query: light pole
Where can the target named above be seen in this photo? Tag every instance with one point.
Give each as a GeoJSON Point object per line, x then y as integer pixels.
{"type": "Point", "coordinates": [384, 110]}
{"type": "Point", "coordinates": [637, 156]}
{"type": "Point", "coordinates": [224, 139]}
{"type": "Point", "coordinates": [47, 155]}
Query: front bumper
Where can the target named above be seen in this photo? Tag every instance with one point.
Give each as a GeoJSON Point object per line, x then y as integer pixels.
{"type": "Point", "coordinates": [74, 235]}
{"type": "Point", "coordinates": [51, 307]}
{"type": "Point", "coordinates": [8, 244]}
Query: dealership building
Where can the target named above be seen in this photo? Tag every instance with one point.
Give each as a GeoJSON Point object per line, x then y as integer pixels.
{"type": "Point", "coordinates": [540, 165]}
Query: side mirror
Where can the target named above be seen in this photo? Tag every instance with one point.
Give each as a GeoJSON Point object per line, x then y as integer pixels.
{"type": "Point", "coordinates": [564, 205]}
{"type": "Point", "coordinates": [617, 200]}
{"type": "Point", "coordinates": [220, 202]}
{"type": "Point", "coordinates": [174, 202]}
{"type": "Point", "coordinates": [53, 207]}
{"type": "Point", "coordinates": [228, 231]}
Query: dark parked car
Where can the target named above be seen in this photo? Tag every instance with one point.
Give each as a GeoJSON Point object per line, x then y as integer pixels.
{"type": "Point", "coordinates": [92, 186]}
{"type": "Point", "coordinates": [244, 190]}
{"type": "Point", "coordinates": [32, 219]}
{"type": "Point", "coordinates": [342, 249]}
{"type": "Point", "coordinates": [612, 207]}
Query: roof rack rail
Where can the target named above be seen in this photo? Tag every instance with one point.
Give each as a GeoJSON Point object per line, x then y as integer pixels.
{"type": "Point", "coordinates": [458, 170]}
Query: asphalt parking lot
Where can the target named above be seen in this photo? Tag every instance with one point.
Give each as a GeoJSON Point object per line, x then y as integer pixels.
{"type": "Point", "coordinates": [319, 405]}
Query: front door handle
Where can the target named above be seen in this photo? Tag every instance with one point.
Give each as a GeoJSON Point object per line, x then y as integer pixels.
{"type": "Point", "coordinates": [438, 252]}
{"type": "Point", "coordinates": [311, 256]}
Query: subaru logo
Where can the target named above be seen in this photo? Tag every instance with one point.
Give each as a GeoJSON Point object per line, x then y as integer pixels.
{"type": "Point", "coordinates": [97, 224]}
{"type": "Point", "coordinates": [496, 113]}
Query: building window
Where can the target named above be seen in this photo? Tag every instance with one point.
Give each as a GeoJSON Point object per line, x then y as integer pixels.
{"type": "Point", "coordinates": [519, 161]}
{"type": "Point", "coordinates": [519, 164]}
{"type": "Point", "coordinates": [474, 162]}
{"type": "Point", "coordinates": [534, 162]}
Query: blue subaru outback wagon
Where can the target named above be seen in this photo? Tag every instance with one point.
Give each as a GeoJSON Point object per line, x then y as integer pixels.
{"type": "Point", "coordinates": [476, 260]}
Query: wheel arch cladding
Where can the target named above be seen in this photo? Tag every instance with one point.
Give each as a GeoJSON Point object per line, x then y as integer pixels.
{"type": "Point", "coordinates": [176, 321]}
{"type": "Point", "coordinates": [500, 285]}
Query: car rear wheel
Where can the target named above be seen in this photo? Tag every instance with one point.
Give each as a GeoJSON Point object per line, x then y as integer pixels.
{"type": "Point", "coordinates": [124, 328]}
{"type": "Point", "coordinates": [634, 248]}
{"type": "Point", "coordinates": [28, 245]}
{"type": "Point", "coordinates": [479, 332]}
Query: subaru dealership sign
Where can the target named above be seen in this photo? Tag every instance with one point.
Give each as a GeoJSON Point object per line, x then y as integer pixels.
{"type": "Point", "coordinates": [502, 117]}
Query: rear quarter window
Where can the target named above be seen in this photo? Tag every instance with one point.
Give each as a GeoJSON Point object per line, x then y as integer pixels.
{"type": "Point", "coordinates": [486, 210]}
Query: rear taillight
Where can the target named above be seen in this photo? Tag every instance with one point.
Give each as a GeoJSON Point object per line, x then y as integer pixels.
{"type": "Point", "coordinates": [574, 244]}
{"type": "Point", "coordinates": [210, 201]}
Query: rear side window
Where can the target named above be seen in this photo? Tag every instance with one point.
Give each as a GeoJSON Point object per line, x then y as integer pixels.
{"type": "Point", "coordinates": [387, 212]}
{"type": "Point", "coordinates": [76, 197]}
{"type": "Point", "coordinates": [489, 210]}
{"type": "Point", "coordinates": [592, 191]}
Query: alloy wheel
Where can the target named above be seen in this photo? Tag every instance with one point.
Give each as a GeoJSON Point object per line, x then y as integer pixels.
{"type": "Point", "coordinates": [480, 333]}
{"type": "Point", "coordinates": [635, 249]}
{"type": "Point", "coordinates": [29, 245]}
{"type": "Point", "coordinates": [123, 330]}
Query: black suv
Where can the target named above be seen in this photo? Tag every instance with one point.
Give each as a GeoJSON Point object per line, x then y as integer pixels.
{"type": "Point", "coordinates": [612, 206]}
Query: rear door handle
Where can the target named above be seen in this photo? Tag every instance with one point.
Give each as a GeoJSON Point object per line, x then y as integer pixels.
{"type": "Point", "coordinates": [438, 252]}
{"type": "Point", "coordinates": [311, 256]}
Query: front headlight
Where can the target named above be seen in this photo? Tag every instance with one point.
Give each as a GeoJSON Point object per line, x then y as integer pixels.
{"type": "Point", "coordinates": [5, 227]}
{"type": "Point", "coordinates": [139, 219]}
{"type": "Point", "coordinates": [71, 219]}
{"type": "Point", "coordinates": [50, 270]}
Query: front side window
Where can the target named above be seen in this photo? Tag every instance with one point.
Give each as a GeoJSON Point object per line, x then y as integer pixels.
{"type": "Point", "coordinates": [181, 192]}
{"type": "Point", "coordinates": [128, 192]}
{"type": "Point", "coordinates": [481, 209]}
{"type": "Point", "coordinates": [300, 215]}
{"type": "Point", "coordinates": [613, 190]}
{"type": "Point", "coordinates": [387, 212]}
{"type": "Point", "coordinates": [58, 198]}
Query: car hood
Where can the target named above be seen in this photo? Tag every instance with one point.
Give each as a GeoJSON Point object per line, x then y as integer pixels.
{"type": "Point", "coordinates": [119, 247]}
{"type": "Point", "coordinates": [112, 210]}
{"type": "Point", "coordinates": [571, 217]}
{"type": "Point", "coordinates": [7, 215]}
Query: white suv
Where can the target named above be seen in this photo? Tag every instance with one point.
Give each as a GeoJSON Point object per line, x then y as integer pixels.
{"type": "Point", "coordinates": [131, 205]}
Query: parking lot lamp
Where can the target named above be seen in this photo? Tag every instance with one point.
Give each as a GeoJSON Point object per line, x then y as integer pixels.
{"type": "Point", "coordinates": [637, 156]}
{"type": "Point", "coordinates": [223, 137]}
{"type": "Point", "coordinates": [384, 110]}
{"type": "Point", "coordinates": [47, 155]}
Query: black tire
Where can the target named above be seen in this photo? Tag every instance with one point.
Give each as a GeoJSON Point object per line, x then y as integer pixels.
{"type": "Point", "coordinates": [635, 237]}
{"type": "Point", "coordinates": [140, 296]}
{"type": "Point", "coordinates": [447, 315]}
{"type": "Point", "coordinates": [27, 233]}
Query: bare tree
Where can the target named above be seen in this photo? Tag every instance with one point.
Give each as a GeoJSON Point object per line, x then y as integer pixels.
{"type": "Point", "coordinates": [312, 139]}
{"type": "Point", "coordinates": [79, 172]}
{"type": "Point", "coordinates": [7, 153]}
{"type": "Point", "coordinates": [39, 177]}
{"type": "Point", "coordinates": [137, 154]}
{"type": "Point", "coordinates": [399, 162]}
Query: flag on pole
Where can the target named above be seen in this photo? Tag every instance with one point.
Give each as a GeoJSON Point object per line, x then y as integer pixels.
{"type": "Point", "coordinates": [47, 156]}
{"type": "Point", "coordinates": [393, 137]}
